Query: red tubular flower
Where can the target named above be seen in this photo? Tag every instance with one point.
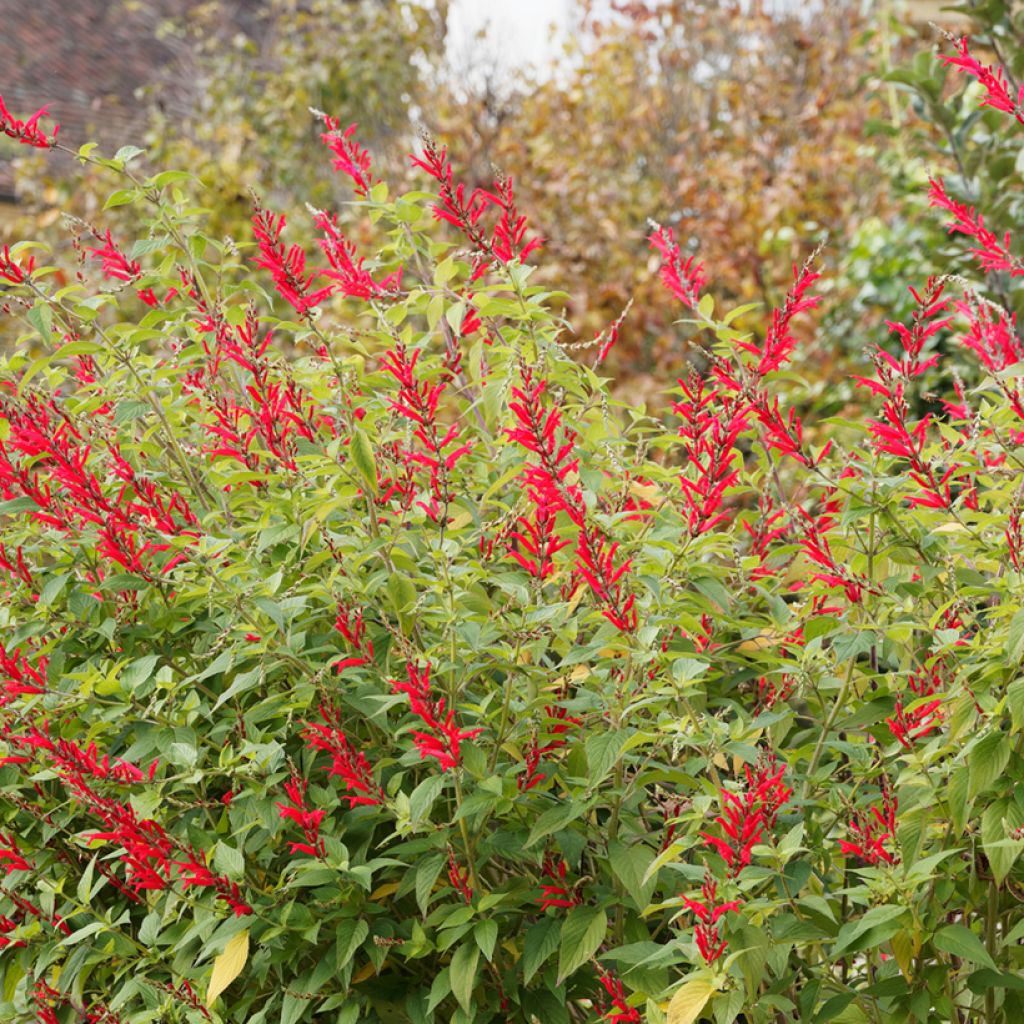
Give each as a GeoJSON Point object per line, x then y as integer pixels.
{"type": "Point", "coordinates": [910, 726]}
{"type": "Point", "coordinates": [287, 266]}
{"type": "Point", "coordinates": [684, 278]}
{"type": "Point", "coordinates": [595, 563]}
{"type": "Point", "coordinates": [895, 434]}
{"type": "Point", "coordinates": [347, 269]}
{"type": "Point", "coordinates": [353, 629]}
{"type": "Point", "coordinates": [992, 80]}
{"type": "Point", "coordinates": [308, 820]}
{"type": "Point", "coordinates": [542, 432]}
{"type": "Point", "coordinates": [15, 566]}
{"type": "Point", "coordinates": [708, 912]}
{"type": "Point", "coordinates": [443, 738]}
{"type": "Point", "coordinates": [534, 544]}
{"type": "Point", "coordinates": [194, 872]}
{"type": "Point", "coordinates": [15, 271]}
{"type": "Point", "coordinates": [990, 251]}
{"type": "Point", "coordinates": [746, 816]}
{"type": "Point", "coordinates": [459, 877]}
{"type": "Point", "coordinates": [620, 1012]}
{"type": "Point", "coordinates": [346, 764]}
{"type": "Point", "coordinates": [556, 892]}
{"type": "Point", "coordinates": [19, 676]}
{"type": "Point", "coordinates": [28, 133]}
{"type": "Point", "coordinates": [438, 449]}
{"type": "Point", "coordinates": [350, 158]}
{"type": "Point", "coordinates": [872, 831]}
{"type": "Point", "coordinates": [558, 723]}
{"type": "Point", "coordinates": [506, 240]}
{"type": "Point", "coordinates": [712, 422]}
{"type": "Point", "coordinates": [115, 263]}
{"type": "Point", "coordinates": [779, 342]}
{"type": "Point", "coordinates": [993, 336]}
{"type": "Point", "coordinates": [46, 458]}
{"type": "Point", "coordinates": [11, 858]}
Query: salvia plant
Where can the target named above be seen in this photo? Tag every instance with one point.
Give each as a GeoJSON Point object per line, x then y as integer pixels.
{"type": "Point", "coordinates": [366, 659]}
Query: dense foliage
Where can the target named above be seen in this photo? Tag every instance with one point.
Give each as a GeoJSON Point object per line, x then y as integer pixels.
{"type": "Point", "coordinates": [365, 658]}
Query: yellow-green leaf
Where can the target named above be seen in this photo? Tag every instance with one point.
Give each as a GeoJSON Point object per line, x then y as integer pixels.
{"type": "Point", "coordinates": [228, 965]}
{"type": "Point", "coordinates": [362, 457]}
{"type": "Point", "coordinates": [689, 1001]}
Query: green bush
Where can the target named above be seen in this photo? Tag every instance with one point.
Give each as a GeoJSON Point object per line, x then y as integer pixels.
{"type": "Point", "coordinates": [366, 659]}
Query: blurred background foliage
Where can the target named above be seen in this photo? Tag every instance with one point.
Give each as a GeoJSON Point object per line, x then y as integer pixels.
{"type": "Point", "coordinates": [756, 131]}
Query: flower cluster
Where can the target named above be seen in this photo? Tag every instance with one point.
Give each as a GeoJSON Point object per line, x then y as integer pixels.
{"type": "Point", "coordinates": [871, 833]}
{"type": "Point", "coordinates": [308, 820]}
{"type": "Point", "coordinates": [506, 240]}
{"type": "Point", "coordinates": [746, 816]}
{"type": "Point", "coordinates": [442, 738]}
{"type": "Point", "coordinates": [28, 133]}
{"type": "Point", "coordinates": [992, 80]}
{"type": "Point", "coordinates": [347, 764]}
{"type": "Point", "coordinates": [709, 911]}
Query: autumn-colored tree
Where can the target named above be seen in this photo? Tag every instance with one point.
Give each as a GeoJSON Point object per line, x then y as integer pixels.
{"type": "Point", "coordinates": [741, 126]}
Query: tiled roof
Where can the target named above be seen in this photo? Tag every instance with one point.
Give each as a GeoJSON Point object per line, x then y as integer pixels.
{"type": "Point", "coordinates": [90, 60]}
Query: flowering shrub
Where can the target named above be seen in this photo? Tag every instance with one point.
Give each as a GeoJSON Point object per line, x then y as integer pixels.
{"type": "Point", "coordinates": [365, 659]}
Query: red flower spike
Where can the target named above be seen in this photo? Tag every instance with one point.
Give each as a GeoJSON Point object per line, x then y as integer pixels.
{"type": "Point", "coordinates": [683, 277]}
{"type": "Point", "coordinates": [746, 816]}
{"type": "Point", "coordinates": [992, 80]}
{"type": "Point", "coordinates": [28, 133]}
{"type": "Point", "coordinates": [872, 832]}
{"type": "Point", "coordinates": [506, 241]}
{"type": "Point", "coordinates": [459, 878]}
{"type": "Point", "coordinates": [347, 764]}
{"type": "Point", "coordinates": [307, 820]}
{"type": "Point", "coordinates": [555, 892]}
{"type": "Point", "coordinates": [351, 158]}
{"type": "Point", "coordinates": [708, 912]}
{"type": "Point", "coordinates": [442, 738]}
{"type": "Point", "coordinates": [992, 253]}
{"type": "Point", "coordinates": [287, 266]}
{"type": "Point", "coordinates": [347, 270]}
{"type": "Point", "coordinates": [11, 858]}
{"type": "Point", "coordinates": [619, 1012]}
{"type": "Point", "coordinates": [908, 726]}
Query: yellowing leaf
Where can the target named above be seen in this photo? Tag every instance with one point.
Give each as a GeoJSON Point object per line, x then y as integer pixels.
{"type": "Point", "coordinates": [363, 973]}
{"type": "Point", "coordinates": [646, 492]}
{"type": "Point", "coordinates": [766, 638]}
{"type": "Point", "coordinates": [378, 894]}
{"type": "Point", "coordinates": [689, 1001]}
{"type": "Point", "coordinates": [228, 965]}
{"type": "Point", "coordinates": [903, 949]}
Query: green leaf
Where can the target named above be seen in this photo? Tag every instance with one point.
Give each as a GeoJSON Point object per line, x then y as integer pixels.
{"type": "Point", "coordinates": [362, 458]}
{"type": "Point", "coordinates": [540, 942]}
{"type": "Point", "coordinates": [1015, 638]}
{"type": "Point", "coordinates": [629, 865]}
{"type": "Point", "coordinates": [986, 761]}
{"type": "Point", "coordinates": [554, 819]}
{"type": "Point", "coordinates": [583, 932]}
{"type": "Point", "coordinates": [351, 935]}
{"type": "Point", "coordinates": [603, 750]}
{"type": "Point", "coordinates": [1015, 702]}
{"type": "Point", "coordinates": [877, 925]}
{"type": "Point", "coordinates": [121, 197]}
{"type": "Point", "coordinates": [486, 935]}
{"type": "Point", "coordinates": [41, 318]}
{"type": "Point", "coordinates": [463, 973]}
{"type": "Point", "coordinates": [427, 872]}
{"type": "Point", "coordinates": [960, 941]}
{"type": "Point", "coordinates": [996, 822]}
